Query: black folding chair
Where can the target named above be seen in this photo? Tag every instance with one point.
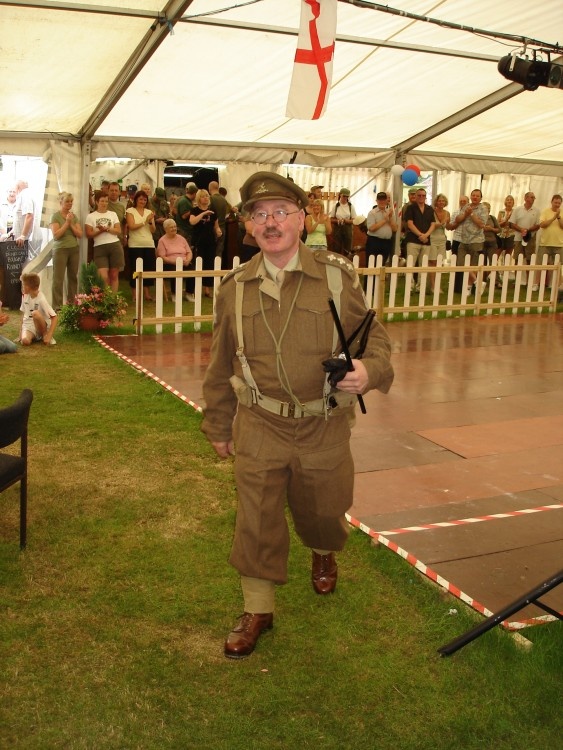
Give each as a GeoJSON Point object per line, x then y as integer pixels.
{"type": "Point", "coordinates": [13, 468]}
{"type": "Point", "coordinates": [530, 597]}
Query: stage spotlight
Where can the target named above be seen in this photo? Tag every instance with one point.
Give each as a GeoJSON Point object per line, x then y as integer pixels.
{"type": "Point", "coordinates": [531, 73]}
{"type": "Point", "coordinates": [556, 76]}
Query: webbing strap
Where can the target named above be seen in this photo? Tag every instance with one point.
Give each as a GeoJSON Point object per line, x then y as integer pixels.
{"type": "Point", "coordinates": [334, 279]}
{"type": "Point", "coordinates": [239, 294]}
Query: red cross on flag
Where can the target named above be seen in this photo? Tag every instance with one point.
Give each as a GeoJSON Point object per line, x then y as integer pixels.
{"type": "Point", "coordinates": [312, 70]}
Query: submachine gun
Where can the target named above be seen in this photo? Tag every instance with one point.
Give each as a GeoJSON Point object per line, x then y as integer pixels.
{"type": "Point", "coordinates": [337, 367]}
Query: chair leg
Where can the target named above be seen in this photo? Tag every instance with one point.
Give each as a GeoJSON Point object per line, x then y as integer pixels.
{"type": "Point", "coordinates": [23, 513]}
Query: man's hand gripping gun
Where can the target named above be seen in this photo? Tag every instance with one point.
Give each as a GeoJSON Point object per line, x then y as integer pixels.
{"type": "Point", "coordinates": [339, 366]}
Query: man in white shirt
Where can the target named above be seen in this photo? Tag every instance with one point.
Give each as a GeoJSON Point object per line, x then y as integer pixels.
{"type": "Point", "coordinates": [7, 210]}
{"type": "Point", "coordinates": [381, 223]}
{"type": "Point", "coordinates": [525, 221]}
{"type": "Point", "coordinates": [24, 220]}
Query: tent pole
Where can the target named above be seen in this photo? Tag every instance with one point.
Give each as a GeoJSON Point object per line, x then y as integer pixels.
{"type": "Point", "coordinates": [86, 150]}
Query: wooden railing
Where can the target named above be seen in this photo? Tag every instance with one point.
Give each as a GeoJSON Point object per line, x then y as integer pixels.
{"type": "Point", "coordinates": [395, 291]}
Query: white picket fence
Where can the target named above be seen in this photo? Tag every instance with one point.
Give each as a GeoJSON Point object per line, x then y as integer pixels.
{"type": "Point", "coordinates": [510, 287]}
{"type": "Point", "coordinates": [390, 290]}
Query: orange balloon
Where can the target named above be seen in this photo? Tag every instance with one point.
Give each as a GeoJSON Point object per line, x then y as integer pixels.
{"type": "Point", "coordinates": [414, 168]}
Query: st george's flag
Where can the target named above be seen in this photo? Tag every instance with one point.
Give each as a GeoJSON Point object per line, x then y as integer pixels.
{"type": "Point", "coordinates": [312, 70]}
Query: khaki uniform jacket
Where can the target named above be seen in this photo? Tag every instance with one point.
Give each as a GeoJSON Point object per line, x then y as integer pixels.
{"type": "Point", "coordinates": [301, 319]}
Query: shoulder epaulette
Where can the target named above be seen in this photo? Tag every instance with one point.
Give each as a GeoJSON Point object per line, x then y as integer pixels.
{"type": "Point", "coordinates": [336, 260]}
{"type": "Point", "coordinates": [232, 273]}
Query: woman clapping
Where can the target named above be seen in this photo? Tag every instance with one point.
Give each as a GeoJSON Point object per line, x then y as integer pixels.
{"type": "Point", "coordinates": [141, 226]}
{"type": "Point", "coordinates": [103, 227]}
{"type": "Point", "coordinates": [506, 234]}
{"type": "Point", "coordinates": [66, 231]}
{"type": "Point", "coordinates": [318, 226]}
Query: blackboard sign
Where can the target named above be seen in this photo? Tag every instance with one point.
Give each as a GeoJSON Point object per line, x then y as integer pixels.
{"type": "Point", "coordinates": [12, 259]}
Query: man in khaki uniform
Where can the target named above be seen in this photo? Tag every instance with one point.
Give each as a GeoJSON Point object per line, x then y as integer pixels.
{"type": "Point", "coordinates": [267, 393]}
{"type": "Point", "coordinates": [220, 205]}
{"type": "Point", "coordinates": [118, 208]}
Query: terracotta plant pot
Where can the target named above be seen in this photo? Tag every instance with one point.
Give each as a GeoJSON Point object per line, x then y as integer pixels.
{"type": "Point", "coordinates": [89, 322]}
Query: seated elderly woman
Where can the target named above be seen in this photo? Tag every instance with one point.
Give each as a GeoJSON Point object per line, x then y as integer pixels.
{"type": "Point", "coordinates": [172, 246]}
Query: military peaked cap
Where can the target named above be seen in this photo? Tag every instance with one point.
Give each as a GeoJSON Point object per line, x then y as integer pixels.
{"type": "Point", "coordinates": [263, 186]}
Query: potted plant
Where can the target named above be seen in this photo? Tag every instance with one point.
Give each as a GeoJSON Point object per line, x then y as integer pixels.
{"type": "Point", "coordinates": [95, 306]}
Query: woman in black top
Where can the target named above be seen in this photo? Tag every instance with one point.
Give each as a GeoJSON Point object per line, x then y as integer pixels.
{"type": "Point", "coordinates": [205, 234]}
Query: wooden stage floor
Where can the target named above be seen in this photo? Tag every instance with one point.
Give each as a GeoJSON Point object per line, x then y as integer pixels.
{"type": "Point", "coordinates": [459, 468]}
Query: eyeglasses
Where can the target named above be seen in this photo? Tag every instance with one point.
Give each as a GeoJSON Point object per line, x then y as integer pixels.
{"type": "Point", "coordinates": [279, 216]}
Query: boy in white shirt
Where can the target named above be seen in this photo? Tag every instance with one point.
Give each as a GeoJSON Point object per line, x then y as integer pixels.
{"type": "Point", "coordinates": [39, 319]}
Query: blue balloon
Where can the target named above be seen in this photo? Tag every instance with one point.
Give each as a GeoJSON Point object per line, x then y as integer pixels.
{"type": "Point", "coordinates": [409, 177]}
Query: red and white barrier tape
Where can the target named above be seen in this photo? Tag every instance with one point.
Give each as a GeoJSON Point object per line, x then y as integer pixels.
{"type": "Point", "coordinates": [477, 519]}
{"type": "Point", "coordinates": [149, 374]}
{"type": "Point", "coordinates": [441, 581]}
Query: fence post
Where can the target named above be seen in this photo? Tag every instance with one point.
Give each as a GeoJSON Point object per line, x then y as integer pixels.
{"type": "Point", "coordinates": [556, 277]}
{"type": "Point", "coordinates": [159, 293]}
{"type": "Point", "coordinates": [423, 280]}
{"type": "Point", "coordinates": [370, 281]}
{"type": "Point", "coordinates": [392, 285]}
{"type": "Point", "coordinates": [198, 292]}
{"type": "Point", "coordinates": [409, 284]}
{"type": "Point", "coordinates": [478, 284]}
{"type": "Point", "coordinates": [139, 295]}
{"type": "Point", "coordinates": [216, 279]}
{"type": "Point", "coordinates": [381, 295]}
{"type": "Point", "coordinates": [437, 284]}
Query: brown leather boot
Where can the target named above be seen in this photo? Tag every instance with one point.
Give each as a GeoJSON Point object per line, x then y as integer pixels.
{"type": "Point", "coordinates": [324, 573]}
{"type": "Point", "coordinates": [243, 638]}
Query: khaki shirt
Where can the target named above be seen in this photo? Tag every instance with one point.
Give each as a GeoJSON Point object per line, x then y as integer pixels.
{"type": "Point", "coordinates": [118, 208]}
{"type": "Point", "coordinates": [302, 323]}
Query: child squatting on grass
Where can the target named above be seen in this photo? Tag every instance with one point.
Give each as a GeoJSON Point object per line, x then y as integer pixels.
{"type": "Point", "coordinates": [39, 319]}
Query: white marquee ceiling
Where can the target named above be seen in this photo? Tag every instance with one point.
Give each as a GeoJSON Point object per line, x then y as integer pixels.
{"type": "Point", "coordinates": [217, 86]}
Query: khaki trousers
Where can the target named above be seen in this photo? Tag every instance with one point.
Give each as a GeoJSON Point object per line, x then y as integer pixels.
{"type": "Point", "coordinates": [304, 463]}
{"type": "Point", "coordinates": [473, 249]}
{"type": "Point", "coordinates": [526, 250]}
{"type": "Point", "coordinates": [65, 261]}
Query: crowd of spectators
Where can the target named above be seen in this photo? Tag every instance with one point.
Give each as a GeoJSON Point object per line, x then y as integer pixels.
{"type": "Point", "coordinates": [125, 225]}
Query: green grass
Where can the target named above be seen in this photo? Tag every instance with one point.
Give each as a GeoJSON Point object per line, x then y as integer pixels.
{"type": "Point", "coordinates": [113, 620]}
